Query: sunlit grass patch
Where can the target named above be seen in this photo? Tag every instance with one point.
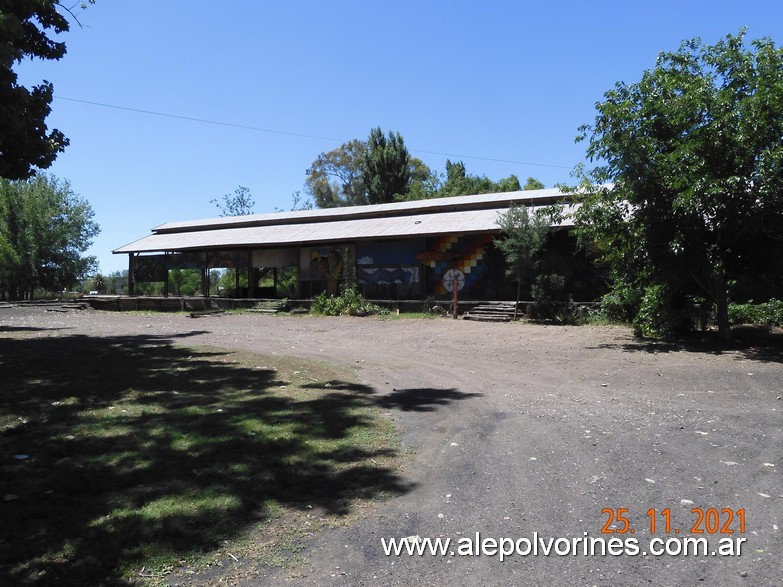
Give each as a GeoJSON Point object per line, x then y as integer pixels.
{"type": "Point", "coordinates": [132, 453]}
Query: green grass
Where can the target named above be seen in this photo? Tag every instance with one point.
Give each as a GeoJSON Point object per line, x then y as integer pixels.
{"type": "Point", "coordinates": [143, 454]}
{"type": "Point", "coordinates": [407, 315]}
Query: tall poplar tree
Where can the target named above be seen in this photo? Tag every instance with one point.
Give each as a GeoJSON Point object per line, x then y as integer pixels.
{"type": "Point", "coordinates": [386, 170]}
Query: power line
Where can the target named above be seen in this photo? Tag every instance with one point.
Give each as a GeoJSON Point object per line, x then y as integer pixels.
{"type": "Point", "coordinates": [292, 134]}
{"type": "Point", "coordinates": [491, 159]}
{"type": "Point", "coordinates": [193, 119]}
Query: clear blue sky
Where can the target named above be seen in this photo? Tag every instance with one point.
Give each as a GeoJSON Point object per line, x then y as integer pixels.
{"type": "Point", "coordinates": [499, 85]}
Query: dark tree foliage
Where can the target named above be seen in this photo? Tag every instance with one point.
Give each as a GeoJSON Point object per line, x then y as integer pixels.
{"type": "Point", "coordinates": [533, 184]}
{"type": "Point", "coordinates": [25, 141]}
{"type": "Point", "coordinates": [522, 237]}
{"type": "Point", "coordinates": [460, 183]}
{"type": "Point", "coordinates": [693, 157]}
{"type": "Point", "coordinates": [386, 170]}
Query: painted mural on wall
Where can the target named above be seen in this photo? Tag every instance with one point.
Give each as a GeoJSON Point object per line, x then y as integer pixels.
{"type": "Point", "coordinates": [466, 253]}
{"type": "Point", "coordinates": [186, 261]}
{"type": "Point", "coordinates": [383, 268]}
{"type": "Point", "coordinates": [228, 259]}
{"type": "Point", "coordinates": [149, 268]}
{"type": "Point", "coordinates": [327, 264]}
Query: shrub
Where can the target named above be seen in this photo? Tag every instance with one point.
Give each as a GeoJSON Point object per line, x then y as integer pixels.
{"type": "Point", "coordinates": [431, 307]}
{"type": "Point", "coordinates": [768, 313]}
{"type": "Point", "coordinates": [349, 303]}
{"type": "Point", "coordinates": [622, 303]}
{"type": "Point", "coordinates": [549, 296]}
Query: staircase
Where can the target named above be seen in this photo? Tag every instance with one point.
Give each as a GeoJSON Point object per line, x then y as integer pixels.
{"type": "Point", "coordinates": [494, 312]}
{"type": "Point", "coordinates": [269, 306]}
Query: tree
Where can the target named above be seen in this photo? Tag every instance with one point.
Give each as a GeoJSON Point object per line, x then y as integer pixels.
{"type": "Point", "coordinates": [335, 178]}
{"type": "Point", "coordinates": [386, 170]}
{"type": "Point", "coordinates": [694, 156]}
{"type": "Point", "coordinates": [25, 142]}
{"type": "Point", "coordinates": [460, 183]}
{"type": "Point", "coordinates": [239, 203]}
{"type": "Point", "coordinates": [117, 282]}
{"type": "Point", "coordinates": [343, 176]}
{"type": "Point", "coordinates": [44, 230]}
{"type": "Point", "coordinates": [533, 184]}
{"type": "Point", "coordinates": [424, 182]}
{"type": "Point", "coordinates": [523, 235]}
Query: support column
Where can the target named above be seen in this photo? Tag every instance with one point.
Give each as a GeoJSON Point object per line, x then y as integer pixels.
{"type": "Point", "coordinates": [166, 280]}
{"type": "Point", "coordinates": [251, 276]}
{"type": "Point", "coordinates": [130, 274]}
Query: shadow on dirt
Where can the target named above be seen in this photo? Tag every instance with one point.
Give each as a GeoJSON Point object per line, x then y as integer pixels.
{"type": "Point", "coordinates": [115, 448]}
{"type": "Point", "coordinates": [748, 342]}
{"type": "Point", "coordinates": [4, 328]}
{"type": "Point", "coordinates": [423, 399]}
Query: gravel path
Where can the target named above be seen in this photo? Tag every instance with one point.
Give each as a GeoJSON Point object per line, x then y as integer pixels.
{"type": "Point", "coordinates": [516, 429]}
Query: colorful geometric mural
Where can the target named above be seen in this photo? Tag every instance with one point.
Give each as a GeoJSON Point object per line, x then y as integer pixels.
{"type": "Point", "coordinates": [465, 253]}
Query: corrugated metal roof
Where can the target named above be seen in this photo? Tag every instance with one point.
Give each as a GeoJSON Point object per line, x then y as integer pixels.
{"type": "Point", "coordinates": [495, 200]}
{"type": "Point", "coordinates": [351, 229]}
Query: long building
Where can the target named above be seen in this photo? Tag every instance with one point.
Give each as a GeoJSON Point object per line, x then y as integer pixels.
{"type": "Point", "coordinates": [398, 251]}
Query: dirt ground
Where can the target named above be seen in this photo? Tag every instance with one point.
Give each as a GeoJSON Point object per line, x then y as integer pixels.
{"type": "Point", "coordinates": [516, 429]}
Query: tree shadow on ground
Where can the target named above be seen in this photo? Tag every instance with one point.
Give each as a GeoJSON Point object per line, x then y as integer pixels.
{"type": "Point", "coordinates": [117, 449]}
{"type": "Point", "coordinates": [422, 399]}
{"type": "Point", "coordinates": [748, 342]}
{"type": "Point", "coordinates": [6, 328]}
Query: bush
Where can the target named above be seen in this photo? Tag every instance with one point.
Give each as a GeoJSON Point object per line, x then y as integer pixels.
{"type": "Point", "coordinates": [769, 313]}
{"type": "Point", "coordinates": [349, 303]}
{"type": "Point", "coordinates": [622, 303]}
{"type": "Point", "coordinates": [549, 296]}
{"type": "Point", "coordinates": [652, 319]}
{"type": "Point", "coordinates": [430, 307]}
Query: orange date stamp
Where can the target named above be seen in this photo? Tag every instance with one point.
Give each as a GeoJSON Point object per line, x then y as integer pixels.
{"type": "Point", "coordinates": [702, 521]}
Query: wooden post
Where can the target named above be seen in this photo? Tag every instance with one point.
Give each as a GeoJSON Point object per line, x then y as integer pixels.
{"type": "Point", "coordinates": [456, 289]}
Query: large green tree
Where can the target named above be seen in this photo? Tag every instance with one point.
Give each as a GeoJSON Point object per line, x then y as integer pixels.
{"type": "Point", "coordinates": [386, 170]}
{"type": "Point", "coordinates": [45, 228]}
{"type": "Point", "coordinates": [335, 177]}
{"type": "Point", "coordinates": [26, 28]}
{"type": "Point", "coordinates": [344, 176]}
{"type": "Point", "coordinates": [693, 159]}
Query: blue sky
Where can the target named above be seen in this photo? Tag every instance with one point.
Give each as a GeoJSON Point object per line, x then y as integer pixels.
{"type": "Point", "coordinates": [502, 86]}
